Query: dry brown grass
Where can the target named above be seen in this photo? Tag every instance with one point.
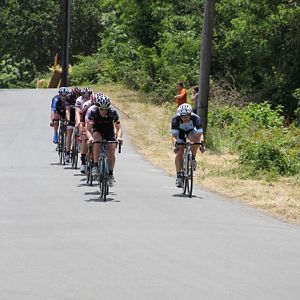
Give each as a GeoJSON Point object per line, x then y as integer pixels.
{"type": "Point", "coordinates": [148, 128]}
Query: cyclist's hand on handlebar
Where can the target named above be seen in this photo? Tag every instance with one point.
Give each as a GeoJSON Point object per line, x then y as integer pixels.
{"type": "Point", "coordinates": [175, 148]}
{"type": "Point", "coordinates": [120, 141]}
{"type": "Point", "coordinates": [202, 147]}
{"type": "Point", "coordinates": [90, 140]}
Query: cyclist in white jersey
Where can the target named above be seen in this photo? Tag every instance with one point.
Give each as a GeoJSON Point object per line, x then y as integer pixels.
{"type": "Point", "coordinates": [186, 124]}
{"type": "Point", "coordinates": [85, 96]}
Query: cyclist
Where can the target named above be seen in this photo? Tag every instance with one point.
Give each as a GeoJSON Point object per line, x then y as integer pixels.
{"type": "Point", "coordinates": [85, 96]}
{"type": "Point", "coordinates": [70, 118]}
{"type": "Point", "coordinates": [58, 110]}
{"type": "Point", "coordinates": [104, 123]}
{"type": "Point", "coordinates": [186, 124]}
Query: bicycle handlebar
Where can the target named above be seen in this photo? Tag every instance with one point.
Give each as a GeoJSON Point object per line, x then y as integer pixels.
{"type": "Point", "coordinates": [189, 143]}
{"type": "Point", "coordinates": [109, 142]}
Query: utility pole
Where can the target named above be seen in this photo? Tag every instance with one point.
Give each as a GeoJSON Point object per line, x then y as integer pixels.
{"type": "Point", "coordinates": [66, 43]}
{"type": "Point", "coordinates": [205, 56]}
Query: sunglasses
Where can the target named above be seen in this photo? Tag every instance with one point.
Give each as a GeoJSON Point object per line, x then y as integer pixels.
{"type": "Point", "coordinates": [103, 108]}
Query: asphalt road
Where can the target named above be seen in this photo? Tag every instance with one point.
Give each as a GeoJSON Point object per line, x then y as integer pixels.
{"type": "Point", "coordinates": [59, 241]}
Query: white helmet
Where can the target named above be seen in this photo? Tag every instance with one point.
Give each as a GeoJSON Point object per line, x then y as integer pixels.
{"type": "Point", "coordinates": [184, 109]}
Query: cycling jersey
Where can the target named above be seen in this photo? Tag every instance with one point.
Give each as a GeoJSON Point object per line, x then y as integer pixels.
{"type": "Point", "coordinates": [79, 102]}
{"type": "Point", "coordinates": [70, 102]}
{"type": "Point", "coordinates": [85, 107]}
{"type": "Point", "coordinates": [104, 125]}
{"type": "Point", "coordinates": [181, 129]}
{"type": "Point", "coordinates": [59, 106]}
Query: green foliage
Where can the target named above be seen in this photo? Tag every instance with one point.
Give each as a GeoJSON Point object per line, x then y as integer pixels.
{"type": "Point", "coordinates": [86, 71]}
{"type": "Point", "coordinates": [15, 73]}
{"type": "Point", "coordinates": [255, 48]}
{"type": "Point", "coordinates": [256, 134]}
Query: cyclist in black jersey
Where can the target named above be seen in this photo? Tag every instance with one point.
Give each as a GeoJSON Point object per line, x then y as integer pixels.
{"type": "Point", "coordinates": [70, 118]}
{"type": "Point", "coordinates": [104, 123]}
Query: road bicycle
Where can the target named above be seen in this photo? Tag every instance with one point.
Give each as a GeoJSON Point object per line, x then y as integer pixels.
{"type": "Point", "coordinates": [62, 141]}
{"type": "Point", "coordinates": [103, 168]}
{"type": "Point", "coordinates": [188, 168]}
{"type": "Point", "coordinates": [75, 148]}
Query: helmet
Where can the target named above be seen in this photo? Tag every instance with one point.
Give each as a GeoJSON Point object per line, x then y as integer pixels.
{"type": "Point", "coordinates": [76, 91]}
{"type": "Point", "coordinates": [86, 91]}
{"type": "Point", "coordinates": [94, 98]}
{"type": "Point", "coordinates": [102, 101]}
{"type": "Point", "coordinates": [184, 109]}
{"type": "Point", "coordinates": [63, 91]}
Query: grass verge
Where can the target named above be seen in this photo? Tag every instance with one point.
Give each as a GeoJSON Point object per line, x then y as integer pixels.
{"type": "Point", "coordinates": [148, 128]}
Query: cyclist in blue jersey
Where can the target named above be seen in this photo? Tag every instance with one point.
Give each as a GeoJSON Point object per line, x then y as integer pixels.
{"type": "Point", "coordinates": [186, 124]}
{"type": "Point", "coordinates": [58, 110]}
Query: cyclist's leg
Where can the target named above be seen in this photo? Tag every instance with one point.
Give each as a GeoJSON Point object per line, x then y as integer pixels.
{"type": "Point", "coordinates": [69, 137]}
{"type": "Point", "coordinates": [194, 137]}
{"type": "Point", "coordinates": [96, 152]}
{"type": "Point", "coordinates": [68, 142]}
{"type": "Point", "coordinates": [55, 117]}
{"type": "Point", "coordinates": [97, 147]}
{"type": "Point", "coordinates": [111, 149]}
{"type": "Point", "coordinates": [179, 158]}
{"type": "Point", "coordinates": [83, 147]}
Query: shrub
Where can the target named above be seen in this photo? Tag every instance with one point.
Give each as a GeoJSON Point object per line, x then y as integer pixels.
{"type": "Point", "coordinates": [15, 73]}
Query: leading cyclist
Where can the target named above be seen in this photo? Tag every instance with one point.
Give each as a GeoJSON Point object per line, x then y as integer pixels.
{"type": "Point", "coordinates": [104, 123]}
{"type": "Point", "coordinates": [186, 124]}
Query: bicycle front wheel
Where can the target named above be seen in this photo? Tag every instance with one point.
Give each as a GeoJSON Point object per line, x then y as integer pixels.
{"type": "Point", "coordinates": [103, 179]}
{"type": "Point", "coordinates": [187, 175]}
{"type": "Point", "coordinates": [75, 155]}
{"type": "Point", "coordinates": [190, 177]}
{"type": "Point", "coordinates": [61, 149]}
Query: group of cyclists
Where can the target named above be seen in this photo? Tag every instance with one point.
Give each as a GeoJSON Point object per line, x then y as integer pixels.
{"type": "Point", "coordinates": [95, 118]}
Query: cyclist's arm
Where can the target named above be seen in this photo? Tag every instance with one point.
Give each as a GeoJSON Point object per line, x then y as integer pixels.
{"type": "Point", "coordinates": [77, 115]}
{"type": "Point", "coordinates": [174, 138]}
{"type": "Point", "coordinates": [68, 113]}
{"type": "Point", "coordinates": [119, 132]}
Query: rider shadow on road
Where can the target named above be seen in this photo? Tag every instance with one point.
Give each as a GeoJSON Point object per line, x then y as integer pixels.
{"type": "Point", "coordinates": [180, 195]}
{"type": "Point", "coordinates": [55, 164]}
{"type": "Point", "coordinates": [99, 199]}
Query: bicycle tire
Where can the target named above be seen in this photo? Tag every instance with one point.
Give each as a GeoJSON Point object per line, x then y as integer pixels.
{"type": "Point", "coordinates": [75, 152]}
{"type": "Point", "coordinates": [60, 147]}
{"type": "Point", "coordinates": [89, 176]}
{"type": "Point", "coordinates": [103, 179]}
{"type": "Point", "coordinates": [190, 176]}
{"type": "Point", "coordinates": [185, 173]}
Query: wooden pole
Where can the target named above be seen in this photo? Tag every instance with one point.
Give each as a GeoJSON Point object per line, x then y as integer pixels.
{"type": "Point", "coordinates": [205, 56]}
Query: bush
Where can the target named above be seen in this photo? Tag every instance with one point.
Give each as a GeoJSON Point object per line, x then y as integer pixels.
{"type": "Point", "coordinates": [255, 133]}
{"type": "Point", "coordinates": [16, 73]}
